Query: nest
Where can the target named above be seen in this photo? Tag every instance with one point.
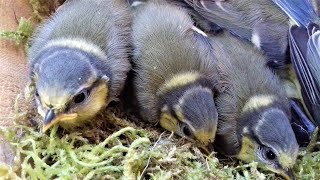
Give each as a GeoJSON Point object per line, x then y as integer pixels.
{"type": "Point", "coordinates": [113, 147]}
{"type": "Point", "coordinates": [118, 145]}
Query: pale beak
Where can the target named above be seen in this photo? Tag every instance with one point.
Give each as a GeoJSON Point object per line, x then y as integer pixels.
{"type": "Point", "coordinates": [288, 174]}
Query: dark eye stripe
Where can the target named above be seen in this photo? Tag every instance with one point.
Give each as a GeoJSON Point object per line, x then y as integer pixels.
{"type": "Point", "coordinates": [173, 113]}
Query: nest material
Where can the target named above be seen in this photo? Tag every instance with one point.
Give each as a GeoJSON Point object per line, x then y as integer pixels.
{"type": "Point", "coordinates": [43, 8]}
{"type": "Point", "coordinates": [127, 152]}
{"type": "Point", "coordinates": [115, 147]}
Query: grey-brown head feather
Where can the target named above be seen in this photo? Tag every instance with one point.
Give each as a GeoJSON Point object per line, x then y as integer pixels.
{"type": "Point", "coordinates": [63, 71]}
{"type": "Point", "coordinates": [279, 125]}
{"type": "Point", "coordinates": [196, 105]}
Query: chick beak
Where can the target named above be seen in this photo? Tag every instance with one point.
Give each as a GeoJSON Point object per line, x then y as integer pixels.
{"type": "Point", "coordinates": [51, 118]}
{"type": "Point", "coordinates": [288, 174]}
{"type": "Point", "coordinates": [50, 115]}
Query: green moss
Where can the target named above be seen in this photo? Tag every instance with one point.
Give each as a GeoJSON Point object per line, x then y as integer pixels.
{"type": "Point", "coordinates": [39, 9]}
{"type": "Point", "coordinates": [69, 157]}
{"type": "Point", "coordinates": [21, 35]}
{"type": "Point", "coordinates": [130, 153]}
{"type": "Point", "coordinates": [308, 166]}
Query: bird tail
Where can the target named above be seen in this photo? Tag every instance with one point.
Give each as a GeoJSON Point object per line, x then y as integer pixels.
{"type": "Point", "coordinates": [301, 12]}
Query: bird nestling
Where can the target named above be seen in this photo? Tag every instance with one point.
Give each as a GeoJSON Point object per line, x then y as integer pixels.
{"type": "Point", "coordinates": [176, 77]}
{"type": "Point", "coordinates": [79, 60]}
{"type": "Point", "coordinates": [254, 111]}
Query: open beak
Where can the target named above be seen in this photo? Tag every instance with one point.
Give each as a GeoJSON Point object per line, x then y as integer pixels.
{"type": "Point", "coordinates": [51, 118]}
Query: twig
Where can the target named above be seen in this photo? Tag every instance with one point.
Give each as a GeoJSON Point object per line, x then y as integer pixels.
{"type": "Point", "coordinates": [149, 159]}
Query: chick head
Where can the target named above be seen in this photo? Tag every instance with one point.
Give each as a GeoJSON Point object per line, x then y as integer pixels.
{"type": "Point", "coordinates": [267, 136]}
{"type": "Point", "coordinates": [69, 89]}
{"type": "Point", "coordinates": [188, 108]}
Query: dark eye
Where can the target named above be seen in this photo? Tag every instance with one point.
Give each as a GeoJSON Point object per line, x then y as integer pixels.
{"type": "Point", "coordinates": [173, 114]}
{"type": "Point", "coordinates": [36, 93]}
{"type": "Point", "coordinates": [215, 94]}
{"type": "Point", "coordinates": [79, 98]}
{"type": "Point", "coordinates": [270, 155]}
{"type": "Point", "coordinates": [186, 130]}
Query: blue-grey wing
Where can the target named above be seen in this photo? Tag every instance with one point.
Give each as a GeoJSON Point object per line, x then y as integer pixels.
{"type": "Point", "coordinates": [305, 59]}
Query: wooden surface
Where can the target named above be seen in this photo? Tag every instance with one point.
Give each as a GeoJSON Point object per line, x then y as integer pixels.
{"type": "Point", "coordinates": [13, 68]}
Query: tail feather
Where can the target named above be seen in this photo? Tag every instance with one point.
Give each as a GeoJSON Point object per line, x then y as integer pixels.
{"type": "Point", "coordinates": [313, 57]}
{"type": "Point", "coordinates": [313, 53]}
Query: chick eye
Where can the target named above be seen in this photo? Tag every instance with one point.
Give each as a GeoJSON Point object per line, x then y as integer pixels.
{"type": "Point", "coordinates": [186, 130]}
{"type": "Point", "coordinates": [36, 93]}
{"type": "Point", "coordinates": [270, 155]}
{"type": "Point", "coordinates": [81, 97]}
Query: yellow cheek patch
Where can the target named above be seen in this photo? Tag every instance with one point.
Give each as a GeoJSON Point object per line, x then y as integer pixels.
{"type": "Point", "coordinates": [178, 81]}
{"type": "Point", "coordinates": [60, 118]}
{"type": "Point", "coordinates": [98, 97]}
{"type": "Point", "coordinates": [168, 122]}
{"type": "Point", "coordinates": [257, 102]}
{"type": "Point", "coordinates": [97, 100]}
{"type": "Point", "coordinates": [247, 152]}
{"type": "Point", "coordinates": [287, 161]}
{"type": "Point", "coordinates": [205, 137]}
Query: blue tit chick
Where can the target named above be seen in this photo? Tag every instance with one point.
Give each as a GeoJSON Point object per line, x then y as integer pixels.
{"type": "Point", "coordinates": [254, 112]}
{"type": "Point", "coordinates": [79, 60]}
{"type": "Point", "coordinates": [176, 77]}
